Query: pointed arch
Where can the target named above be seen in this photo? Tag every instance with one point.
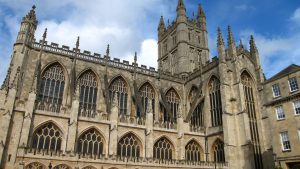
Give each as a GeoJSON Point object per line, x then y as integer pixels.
{"type": "Point", "coordinates": [35, 165]}
{"type": "Point", "coordinates": [163, 149]}
{"type": "Point", "coordinates": [129, 146]}
{"type": "Point", "coordinates": [88, 90]}
{"type": "Point", "coordinates": [249, 100]}
{"type": "Point", "coordinates": [193, 151]}
{"type": "Point", "coordinates": [62, 166]}
{"type": "Point", "coordinates": [147, 93]}
{"type": "Point", "coordinates": [47, 137]}
{"type": "Point", "coordinates": [218, 151]}
{"type": "Point", "coordinates": [215, 101]}
{"type": "Point", "coordinates": [51, 89]}
{"type": "Point", "coordinates": [91, 143]}
{"type": "Point", "coordinates": [173, 101]}
{"type": "Point", "coordinates": [120, 86]}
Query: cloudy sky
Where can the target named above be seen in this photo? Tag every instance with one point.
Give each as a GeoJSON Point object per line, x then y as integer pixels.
{"type": "Point", "coordinates": [131, 25]}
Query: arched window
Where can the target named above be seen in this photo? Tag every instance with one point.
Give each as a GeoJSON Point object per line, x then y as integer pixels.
{"type": "Point", "coordinates": [250, 108]}
{"type": "Point", "coordinates": [88, 87]}
{"type": "Point", "coordinates": [147, 94]}
{"type": "Point", "coordinates": [215, 101]}
{"type": "Point", "coordinates": [51, 89]}
{"type": "Point", "coordinates": [163, 149]}
{"type": "Point", "coordinates": [47, 137]}
{"type": "Point", "coordinates": [62, 166]}
{"type": "Point", "coordinates": [197, 118]}
{"type": "Point", "coordinates": [91, 143]}
{"type": "Point", "coordinates": [129, 146]}
{"type": "Point", "coordinates": [173, 101]}
{"type": "Point", "coordinates": [119, 86]}
{"type": "Point", "coordinates": [218, 151]}
{"type": "Point", "coordinates": [35, 165]}
{"type": "Point", "coordinates": [193, 151]}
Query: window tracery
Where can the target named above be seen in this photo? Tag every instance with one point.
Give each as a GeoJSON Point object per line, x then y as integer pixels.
{"type": "Point", "coordinates": [51, 89]}
{"type": "Point", "coordinates": [163, 149]}
{"type": "Point", "coordinates": [91, 143]}
{"type": "Point", "coordinates": [215, 101]}
{"type": "Point", "coordinates": [147, 94]}
{"type": "Point", "coordinates": [88, 88]}
{"type": "Point", "coordinates": [193, 151]}
{"type": "Point", "coordinates": [129, 146]}
{"type": "Point", "coordinates": [218, 151]}
{"type": "Point", "coordinates": [119, 86]}
{"type": "Point", "coordinates": [47, 137]}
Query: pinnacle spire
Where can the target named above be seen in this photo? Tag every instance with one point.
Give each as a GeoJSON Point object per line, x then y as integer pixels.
{"type": "Point", "coordinates": [252, 43]}
{"type": "Point", "coordinates": [135, 57]}
{"type": "Point", "coordinates": [180, 4]}
{"type": "Point", "coordinates": [161, 24]}
{"type": "Point", "coordinates": [77, 42]}
{"type": "Point", "coordinates": [107, 51]}
{"type": "Point", "coordinates": [241, 46]}
{"type": "Point", "coordinates": [230, 36]}
{"type": "Point", "coordinates": [220, 37]}
{"type": "Point", "coordinates": [200, 11]}
{"type": "Point", "coordinates": [45, 34]}
{"type": "Point", "coordinates": [31, 15]}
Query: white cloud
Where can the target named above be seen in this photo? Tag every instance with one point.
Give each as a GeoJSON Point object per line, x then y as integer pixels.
{"type": "Point", "coordinates": [122, 24]}
{"type": "Point", "coordinates": [296, 16]}
{"type": "Point", "coordinates": [281, 51]}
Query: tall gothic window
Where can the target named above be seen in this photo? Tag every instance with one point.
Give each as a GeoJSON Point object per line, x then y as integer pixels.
{"type": "Point", "coordinates": [88, 87]}
{"type": "Point", "coordinates": [47, 137]}
{"type": "Point", "coordinates": [250, 108]}
{"type": "Point", "coordinates": [62, 166]}
{"type": "Point", "coordinates": [215, 101]}
{"type": "Point", "coordinates": [147, 94]}
{"type": "Point", "coordinates": [51, 89]}
{"type": "Point", "coordinates": [35, 165]}
{"type": "Point", "coordinates": [173, 102]}
{"type": "Point", "coordinates": [163, 149]}
{"type": "Point", "coordinates": [218, 151]}
{"type": "Point", "coordinates": [119, 86]}
{"type": "Point", "coordinates": [91, 143]}
{"type": "Point", "coordinates": [193, 151]}
{"type": "Point", "coordinates": [197, 118]}
{"type": "Point", "coordinates": [129, 146]}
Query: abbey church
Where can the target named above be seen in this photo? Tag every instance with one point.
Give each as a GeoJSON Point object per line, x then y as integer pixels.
{"type": "Point", "coordinates": [63, 107]}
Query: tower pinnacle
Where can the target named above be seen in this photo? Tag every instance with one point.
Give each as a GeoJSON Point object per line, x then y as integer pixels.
{"type": "Point", "coordinates": [200, 11]}
{"type": "Point", "coordinates": [161, 25]}
{"type": "Point", "coordinates": [181, 11]}
{"type": "Point", "coordinates": [180, 5]}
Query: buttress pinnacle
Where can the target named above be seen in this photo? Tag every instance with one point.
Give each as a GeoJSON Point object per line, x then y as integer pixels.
{"type": "Point", "coordinates": [220, 37]}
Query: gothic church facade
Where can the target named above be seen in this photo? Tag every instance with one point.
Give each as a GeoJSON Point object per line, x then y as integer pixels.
{"type": "Point", "coordinates": [65, 108]}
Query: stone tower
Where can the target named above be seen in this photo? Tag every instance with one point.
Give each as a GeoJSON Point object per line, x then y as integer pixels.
{"type": "Point", "coordinates": [183, 45]}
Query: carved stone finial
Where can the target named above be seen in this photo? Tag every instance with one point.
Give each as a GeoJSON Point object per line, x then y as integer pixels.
{"type": "Point", "coordinates": [230, 36]}
{"type": "Point", "coordinates": [107, 51]}
{"type": "Point", "coordinates": [33, 7]}
{"type": "Point", "coordinates": [220, 37]}
{"type": "Point", "coordinates": [241, 46]}
{"type": "Point", "coordinates": [77, 42]}
{"type": "Point", "coordinates": [135, 57]}
{"type": "Point", "coordinates": [45, 34]}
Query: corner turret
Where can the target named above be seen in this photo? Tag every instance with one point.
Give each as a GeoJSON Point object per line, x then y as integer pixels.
{"type": "Point", "coordinates": [201, 18]}
{"type": "Point", "coordinates": [28, 27]}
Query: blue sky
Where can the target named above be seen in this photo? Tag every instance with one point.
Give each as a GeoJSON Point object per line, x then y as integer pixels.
{"type": "Point", "coordinates": [131, 25]}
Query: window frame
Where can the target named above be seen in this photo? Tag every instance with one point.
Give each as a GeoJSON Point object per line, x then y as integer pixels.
{"type": "Point", "coordinates": [277, 112]}
{"type": "Point", "coordinates": [274, 92]}
{"type": "Point", "coordinates": [282, 141]}
{"type": "Point", "coordinates": [294, 105]}
{"type": "Point", "coordinates": [296, 82]}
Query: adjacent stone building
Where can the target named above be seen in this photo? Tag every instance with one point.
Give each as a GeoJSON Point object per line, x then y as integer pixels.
{"type": "Point", "coordinates": [64, 108]}
{"type": "Point", "coordinates": [282, 108]}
